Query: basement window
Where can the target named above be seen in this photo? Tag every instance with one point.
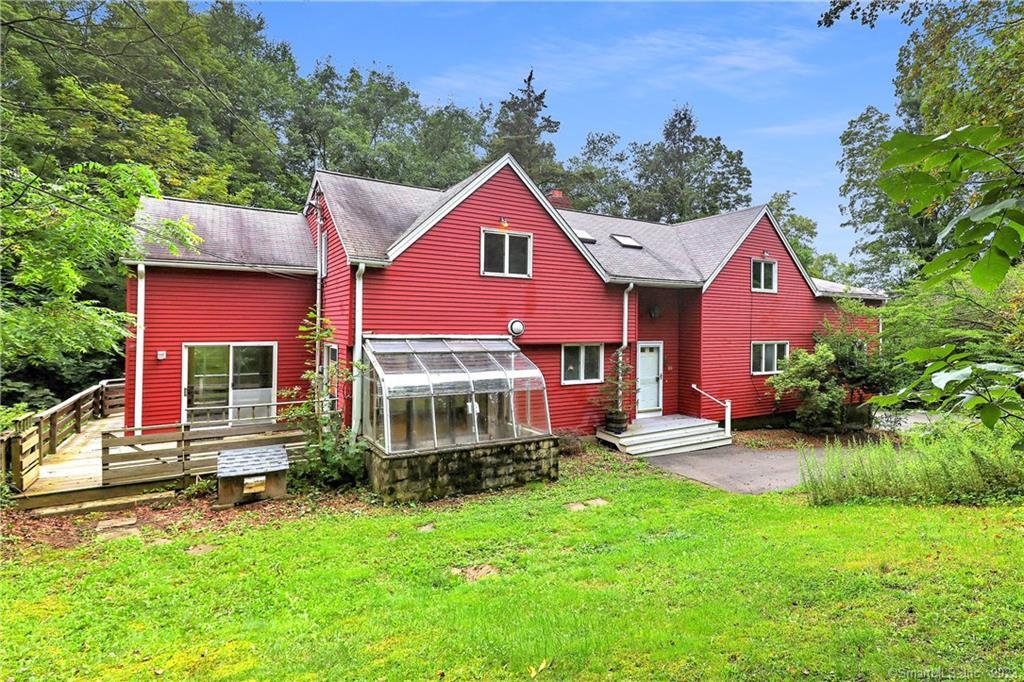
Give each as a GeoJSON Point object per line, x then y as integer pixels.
{"type": "Point", "coordinates": [627, 241]}
{"type": "Point", "coordinates": [432, 392]}
{"type": "Point", "coordinates": [506, 254]}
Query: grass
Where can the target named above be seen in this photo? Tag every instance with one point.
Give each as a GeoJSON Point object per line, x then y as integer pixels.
{"type": "Point", "coordinates": [670, 580]}
{"type": "Point", "coordinates": [944, 464]}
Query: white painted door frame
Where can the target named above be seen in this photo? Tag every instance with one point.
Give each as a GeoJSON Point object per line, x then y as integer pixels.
{"type": "Point", "coordinates": [659, 378]}
{"type": "Point", "coordinates": [231, 364]}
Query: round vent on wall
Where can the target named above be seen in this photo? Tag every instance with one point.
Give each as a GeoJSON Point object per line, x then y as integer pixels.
{"type": "Point", "coordinates": [516, 327]}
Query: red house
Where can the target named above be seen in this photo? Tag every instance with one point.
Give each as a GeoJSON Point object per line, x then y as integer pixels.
{"type": "Point", "coordinates": [482, 312]}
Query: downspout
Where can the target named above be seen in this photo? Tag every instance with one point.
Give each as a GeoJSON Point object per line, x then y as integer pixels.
{"type": "Point", "coordinates": [625, 339]}
{"type": "Point", "coordinates": [319, 281]}
{"type": "Point", "coordinates": [140, 338]}
{"type": "Point", "coordinates": [357, 353]}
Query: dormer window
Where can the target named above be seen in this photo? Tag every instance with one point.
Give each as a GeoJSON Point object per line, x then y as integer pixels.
{"type": "Point", "coordinates": [763, 276]}
{"type": "Point", "coordinates": [506, 254]}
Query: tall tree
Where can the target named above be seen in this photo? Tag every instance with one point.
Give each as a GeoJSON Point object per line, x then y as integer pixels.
{"type": "Point", "coordinates": [801, 232]}
{"type": "Point", "coordinates": [519, 129]}
{"type": "Point", "coordinates": [891, 244]}
{"type": "Point", "coordinates": [686, 175]}
{"type": "Point", "coordinates": [597, 178]}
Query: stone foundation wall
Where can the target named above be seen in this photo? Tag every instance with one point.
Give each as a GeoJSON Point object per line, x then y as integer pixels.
{"type": "Point", "coordinates": [466, 469]}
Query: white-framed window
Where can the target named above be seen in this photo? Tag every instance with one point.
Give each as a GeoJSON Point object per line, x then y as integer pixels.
{"type": "Point", "coordinates": [506, 254]}
{"type": "Point", "coordinates": [583, 363]}
{"type": "Point", "coordinates": [767, 356]}
{"type": "Point", "coordinates": [329, 370]}
{"type": "Point", "coordinates": [763, 276]}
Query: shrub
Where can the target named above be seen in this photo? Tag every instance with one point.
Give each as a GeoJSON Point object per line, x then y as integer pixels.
{"type": "Point", "coordinates": [946, 463]}
{"type": "Point", "coordinates": [810, 376]}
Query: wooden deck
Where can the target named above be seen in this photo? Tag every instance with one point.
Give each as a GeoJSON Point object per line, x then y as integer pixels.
{"type": "Point", "coordinates": [78, 462]}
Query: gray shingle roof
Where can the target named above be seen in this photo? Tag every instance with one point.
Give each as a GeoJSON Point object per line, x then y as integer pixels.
{"type": "Point", "coordinates": [231, 234]}
{"type": "Point", "coordinates": [371, 215]}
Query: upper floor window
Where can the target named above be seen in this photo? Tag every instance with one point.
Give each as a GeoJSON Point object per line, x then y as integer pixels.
{"type": "Point", "coordinates": [583, 364]}
{"type": "Point", "coordinates": [506, 254]}
{"type": "Point", "coordinates": [766, 356]}
{"type": "Point", "coordinates": [762, 276]}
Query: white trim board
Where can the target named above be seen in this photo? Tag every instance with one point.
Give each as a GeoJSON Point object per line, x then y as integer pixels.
{"type": "Point", "coordinates": [410, 238]}
{"type": "Point", "coordinates": [660, 409]}
{"type": "Point", "coordinates": [739, 242]}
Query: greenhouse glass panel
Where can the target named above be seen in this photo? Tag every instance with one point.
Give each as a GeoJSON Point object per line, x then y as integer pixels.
{"type": "Point", "coordinates": [427, 392]}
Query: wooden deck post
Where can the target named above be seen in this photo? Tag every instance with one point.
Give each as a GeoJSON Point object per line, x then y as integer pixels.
{"type": "Point", "coordinates": [52, 448]}
{"type": "Point", "coordinates": [78, 416]}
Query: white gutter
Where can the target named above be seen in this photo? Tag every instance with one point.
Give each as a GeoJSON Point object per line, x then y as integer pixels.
{"type": "Point", "coordinates": [357, 352]}
{"type": "Point", "coordinates": [197, 265]}
{"type": "Point", "coordinates": [140, 338]}
{"type": "Point", "coordinates": [318, 354]}
{"type": "Point", "coordinates": [625, 330]}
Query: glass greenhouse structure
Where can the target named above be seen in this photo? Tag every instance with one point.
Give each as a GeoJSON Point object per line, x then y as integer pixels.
{"type": "Point", "coordinates": [432, 392]}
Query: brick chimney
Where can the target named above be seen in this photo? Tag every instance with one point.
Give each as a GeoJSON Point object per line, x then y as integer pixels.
{"type": "Point", "coordinates": [558, 199]}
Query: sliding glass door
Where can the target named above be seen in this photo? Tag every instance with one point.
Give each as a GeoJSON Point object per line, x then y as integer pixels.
{"type": "Point", "coordinates": [226, 383]}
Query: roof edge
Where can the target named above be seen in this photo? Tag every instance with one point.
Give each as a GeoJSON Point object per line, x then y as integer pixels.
{"type": "Point", "coordinates": [207, 265]}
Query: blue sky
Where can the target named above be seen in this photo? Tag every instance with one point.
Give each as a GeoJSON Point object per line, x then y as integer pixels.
{"type": "Point", "coordinates": [762, 76]}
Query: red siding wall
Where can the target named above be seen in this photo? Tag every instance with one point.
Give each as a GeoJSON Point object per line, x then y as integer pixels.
{"type": "Point", "coordinates": [689, 351]}
{"type": "Point", "coordinates": [572, 406]}
{"type": "Point", "coordinates": [190, 305]}
{"type": "Point", "coordinates": [732, 316]}
{"type": "Point", "coordinates": [337, 290]}
{"type": "Point", "coordinates": [435, 287]}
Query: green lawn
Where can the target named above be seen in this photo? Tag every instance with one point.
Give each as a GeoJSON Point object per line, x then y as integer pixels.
{"type": "Point", "coordinates": [669, 581]}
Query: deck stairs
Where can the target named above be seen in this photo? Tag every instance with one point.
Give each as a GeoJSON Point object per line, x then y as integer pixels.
{"type": "Point", "coordinates": [668, 435]}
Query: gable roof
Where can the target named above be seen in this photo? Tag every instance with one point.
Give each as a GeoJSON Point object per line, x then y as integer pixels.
{"type": "Point", "coordinates": [378, 220]}
{"type": "Point", "coordinates": [232, 235]}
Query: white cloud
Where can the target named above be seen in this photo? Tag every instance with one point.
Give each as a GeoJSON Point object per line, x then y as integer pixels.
{"type": "Point", "coordinates": [746, 68]}
{"type": "Point", "coordinates": [830, 126]}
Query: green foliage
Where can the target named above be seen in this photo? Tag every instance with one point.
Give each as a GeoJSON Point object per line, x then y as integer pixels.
{"type": "Point", "coordinates": [984, 239]}
{"type": "Point", "coordinates": [333, 455]}
{"type": "Point", "coordinates": [51, 249]}
{"type": "Point", "coordinates": [11, 414]}
{"type": "Point", "coordinates": [801, 231]}
{"type": "Point", "coordinates": [948, 463]}
{"type": "Point", "coordinates": [686, 175]}
{"type": "Point", "coordinates": [811, 377]}
{"type": "Point", "coordinates": [860, 365]}
{"type": "Point", "coordinates": [618, 390]}
{"type": "Point", "coordinates": [201, 487]}
{"type": "Point", "coordinates": [987, 325]}
{"type": "Point", "coordinates": [519, 129]}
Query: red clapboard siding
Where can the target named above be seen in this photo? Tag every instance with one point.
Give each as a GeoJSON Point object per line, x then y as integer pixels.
{"type": "Point", "coordinates": [337, 286]}
{"type": "Point", "coordinates": [185, 305]}
{"type": "Point", "coordinates": [689, 350]}
{"type": "Point", "coordinates": [732, 316]}
{"type": "Point", "coordinates": [665, 329]}
{"type": "Point", "coordinates": [435, 287]}
{"type": "Point", "coordinates": [572, 407]}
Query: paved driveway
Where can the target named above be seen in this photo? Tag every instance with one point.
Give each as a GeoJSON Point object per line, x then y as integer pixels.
{"type": "Point", "coordinates": [737, 469]}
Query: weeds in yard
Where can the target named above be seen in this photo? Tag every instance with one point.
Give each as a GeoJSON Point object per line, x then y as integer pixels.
{"type": "Point", "coordinates": [944, 464]}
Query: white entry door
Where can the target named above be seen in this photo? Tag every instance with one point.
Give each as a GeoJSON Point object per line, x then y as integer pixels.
{"type": "Point", "coordinates": [648, 379]}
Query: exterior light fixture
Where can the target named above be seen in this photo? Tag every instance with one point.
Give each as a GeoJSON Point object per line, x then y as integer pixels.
{"type": "Point", "coordinates": [654, 311]}
{"type": "Point", "coordinates": [503, 221]}
{"type": "Point", "coordinates": [516, 327]}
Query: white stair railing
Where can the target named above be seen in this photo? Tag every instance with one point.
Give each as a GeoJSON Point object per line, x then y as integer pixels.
{"type": "Point", "coordinates": [727, 404]}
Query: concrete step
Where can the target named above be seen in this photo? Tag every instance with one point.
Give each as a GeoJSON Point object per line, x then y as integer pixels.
{"type": "Point", "coordinates": [110, 504]}
{"type": "Point", "coordinates": [653, 448]}
{"type": "Point", "coordinates": [627, 441]}
{"type": "Point", "coordinates": [714, 442]}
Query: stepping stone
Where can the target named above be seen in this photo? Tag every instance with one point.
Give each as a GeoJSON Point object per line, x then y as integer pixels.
{"type": "Point", "coordinates": [121, 522]}
{"type": "Point", "coordinates": [596, 502]}
{"type": "Point", "coordinates": [116, 533]}
{"type": "Point", "coordinates": [161, 541]}
{"type": "Point", "coordinates": [196, 550]}
{"type": "Point", "coordinates": [575, 506]}
{"type": "Point", "coordinates": [429, 528]}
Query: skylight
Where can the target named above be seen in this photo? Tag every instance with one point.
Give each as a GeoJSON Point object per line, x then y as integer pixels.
{"type": "Point", "coordinates": [584, 236]}
{"type": "Point", "coordinates": [627, 241]}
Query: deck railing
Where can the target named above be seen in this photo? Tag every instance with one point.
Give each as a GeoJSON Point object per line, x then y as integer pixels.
{"type": "Point", "coordinates": [163, 452]}
{"type": "Point", "coordinates": [24, 447]}
{"type": "Point", "coordinates": [727, 404]}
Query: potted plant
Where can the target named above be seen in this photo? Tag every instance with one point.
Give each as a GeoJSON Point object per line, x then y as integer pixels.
{"type": "Point", "coordinates": [617, 393]}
